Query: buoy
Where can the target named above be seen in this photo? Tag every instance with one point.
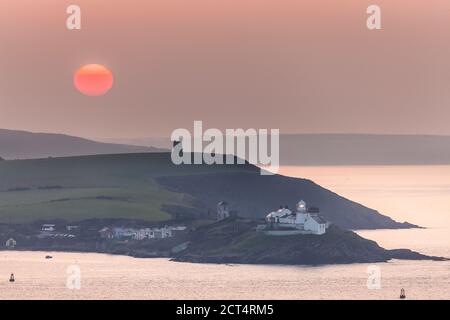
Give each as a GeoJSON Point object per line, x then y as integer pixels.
{"type": "Point", "coordinates": [402, 294]}
{"type": "Point", "coordinates": [11, 279]}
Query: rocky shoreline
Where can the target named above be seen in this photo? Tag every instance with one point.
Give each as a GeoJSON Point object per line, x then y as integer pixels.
{"type": "Point", "coordinates": [237, 242]}
{"type": "Point", "coordinates": [233, 240]}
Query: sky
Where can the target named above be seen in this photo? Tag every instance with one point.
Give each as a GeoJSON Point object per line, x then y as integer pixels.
{"type": "Point", "coordinates": [297, 65]}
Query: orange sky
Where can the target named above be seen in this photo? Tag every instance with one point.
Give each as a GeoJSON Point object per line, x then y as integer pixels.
{"type": "Point", "coordinates": [297, 65]}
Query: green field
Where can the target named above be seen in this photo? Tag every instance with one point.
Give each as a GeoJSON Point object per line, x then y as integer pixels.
{"type": "Point", "coordinates": [105, 186]}
{"type": "Point", "coordinates": [84, 203]}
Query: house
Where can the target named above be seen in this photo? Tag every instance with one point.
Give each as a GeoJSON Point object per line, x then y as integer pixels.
{"type": "Point", "coordinates": [44, 235]}
{"type": "Point", "coordinates": [48, 227]}
{"type": "Point", "coordinates": [106, 233]}
{"type": "Point", "coordinates": [282, 216]}
{"type": "Point", "coordinates": [140, 234]}
{"type": "Point", "coordinates": [304, 220]}
{"type": "Point", "coordinates": [155, 233]}
{"type": "Point", "coordinates": [223, 210]}
{"type": "Point", "coordinates": [163, 233]}
{"type": "Point", "coordinates": [10, 243]}
{"type": "Point", "coordinates": [123, 232]}
{"type": "Point", "coordinates": [178, 228]}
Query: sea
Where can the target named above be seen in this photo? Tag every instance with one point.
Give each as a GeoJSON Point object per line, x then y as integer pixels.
{"type": "Point", "coordinates": [417, 194]}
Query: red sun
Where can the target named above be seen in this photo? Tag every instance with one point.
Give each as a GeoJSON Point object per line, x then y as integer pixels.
{"type": "Point", "coordinates": [93, 80]}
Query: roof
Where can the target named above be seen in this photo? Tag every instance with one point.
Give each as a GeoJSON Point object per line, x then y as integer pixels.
{"type": "Point", "coordinates": [319, 219]}
{"type": "Point", "coordinates": [313, 210]}
{"type": "Point", "coordinates": [280, 213]}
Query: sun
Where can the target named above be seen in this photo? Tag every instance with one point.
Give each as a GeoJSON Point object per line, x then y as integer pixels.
{"type": "Point", "coordinates": [93, 80]}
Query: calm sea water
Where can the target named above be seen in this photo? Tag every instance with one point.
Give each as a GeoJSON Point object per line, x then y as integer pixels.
{"type": "Point", "coordinates": [417, 194]}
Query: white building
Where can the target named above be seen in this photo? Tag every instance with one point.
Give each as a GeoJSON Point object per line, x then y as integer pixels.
{"type": "Point", "coordinates": [178, 228]}
{"type": "Point", "coordinates": [107, 233]}
{"type": "Point", "coordinates": [140, 234]}
{"type": "Point", "coordinates": [10, 243]}
{"type": "Point", "coordinates": [146, 233]}
{"type": "Point", "coordinates": [223, 210]}
{"type": "Point", "coordinates": [163, 233]}
{"type": "Point", "coordinates": [155, 233]}
{"type": "Point", "coordinates": [307, 221]}
{"type": "Point", "coordinates": [123, 232]}
{"type": "Point", "coordinates": [48, 227]}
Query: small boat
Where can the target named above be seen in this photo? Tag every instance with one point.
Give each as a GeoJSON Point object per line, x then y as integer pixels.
{"type": "Point", "coordinates": [48, 257]}
{"type": "Point", "coordinates": [11, 279]}
{"type": "Point", "coordinates": [402, 294]}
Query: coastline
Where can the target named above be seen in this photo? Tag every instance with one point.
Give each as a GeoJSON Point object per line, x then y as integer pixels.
{"type": "Point", "coordinates": [234, 240]}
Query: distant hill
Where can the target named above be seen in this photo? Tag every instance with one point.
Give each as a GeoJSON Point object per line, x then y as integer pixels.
{"type": "Point", "coordinates": [348, 149]}
{"type": "Point", "coordinates": [28, 145]}
{"type": "Point", "coordinates": [158, 142]}
{"type": "Point", "coordinates": [364, 149]}
{"type": "Point", "coordinates": [150, 187]}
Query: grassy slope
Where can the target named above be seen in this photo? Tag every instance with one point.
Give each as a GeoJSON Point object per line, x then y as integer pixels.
{"type": "Point", "coordinates": [84, 203]}
{"type": "Point", "coordinates": [136, 186]}
{"type": "Point", "coordinates": [106, 186]}
{"type": "Point", "coordinates": [254, 195]}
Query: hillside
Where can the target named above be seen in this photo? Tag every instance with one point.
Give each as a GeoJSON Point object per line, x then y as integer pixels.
{"type": "Point", "coordinates": [348, 149]}
{"type": "Point", "coordinates": [295, 149]}
{"type": "Point", "coordinates": [102, 186]}
{"type": "Point", "coordinates": [235, 241]}
{"type": "Point", "coordinates": [28, 145]}
{"type": "Point", "coordinates": [253, 196]}
{"type": "Point", "coordinates": [149, 187]}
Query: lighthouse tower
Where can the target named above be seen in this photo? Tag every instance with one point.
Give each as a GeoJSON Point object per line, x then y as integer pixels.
{"type": "Point", "coordinates": [301, 206]}
{"type": "Point", "coordinates": [301, 214]}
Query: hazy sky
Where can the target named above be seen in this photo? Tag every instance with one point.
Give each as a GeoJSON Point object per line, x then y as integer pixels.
{"type": "Point", "coordinates": [297, 65]}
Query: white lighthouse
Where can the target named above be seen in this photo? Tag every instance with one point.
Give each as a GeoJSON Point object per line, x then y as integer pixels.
{"type": "Point", "coordinates": [306, 221]}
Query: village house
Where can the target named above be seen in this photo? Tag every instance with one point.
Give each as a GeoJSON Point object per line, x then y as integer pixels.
{"type": "Point", "coordinates": [72, 228]}
{"type": "Point", "coordinates": [10, 243]}
{"type": "Point", "coordinates": [178, 228]}
{"type": "Point", "coordinates": [49, 231]}
{"type": "Point", "coordinates": [163, 233]}
{"type": "Point", "coordinates": [44, 235]}
{"type": "Point", "coordinates": [123, 232]}
{"type": "Point", "coordinates": [223, 210]}
{"type": "Point", "coordinates": [48, 227]}
{"type": "Point", "coordinates": [140, 234]}
{"type": "Point", "coordinates": [304, 220]}
{"type": "Point", "coordinates": [106, 233]}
